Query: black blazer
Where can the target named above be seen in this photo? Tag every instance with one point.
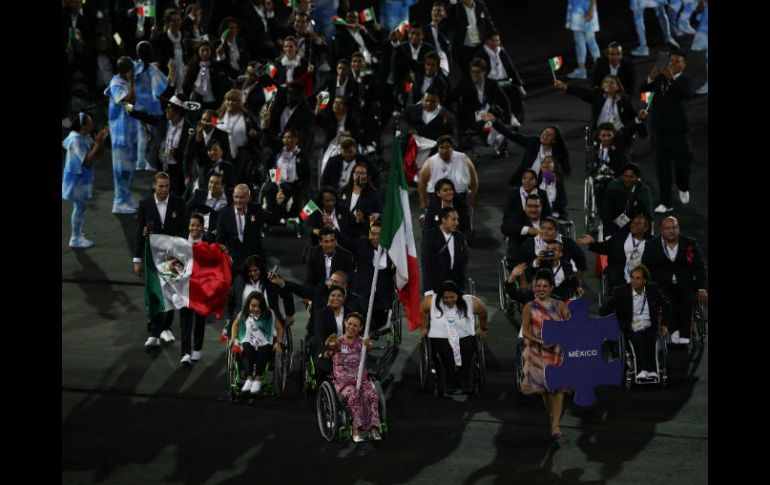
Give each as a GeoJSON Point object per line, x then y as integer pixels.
{"type": "Point", "coordinates": [164, 49]}
{"type": "Point", "coordinates": [668, 112]}
{"type": "Point", "coordinates": [688, 266]}
{"type": "Point", "coordinates": [510, 68]}
{"type": "Point", "coordinates": [227, 231]}
{"type": "Point", "coordinates": [224, 168]}
{"type": "Point", "coordinates": [345, 45]}
{"type": "Point", "coordinates": [197, 203]}
{"type": "Point", "coordinates": [352, 93]}
{"type": "Point", "coordinates": [301, 120]}
{"type": "Point", "coordinates": [622, 304]}
{"type": "Point", "coordinates": [324, 324]}
{"type": "Point", "coordinates": [466, 98]}
{"type": "Point", "coordinates": [443, 124]}
{"type": "Point", "coordinates": [514, 217]}
{"type": "Point", "coordinates": [459, 19]}
{"type": "Point", "coordinates": [182, 153]}
{"type": "Point", "coordinates": [597, 99]}
{"type": "Point", "coordinates": [200, 155]}
{"type": "Point", "coordinates": [559, 204]}
{"type": "Point", "coordinates": [626, 73]}
{"type": "Point", "coordinates": [614, 247]}
{"type": "Point", "coordinates": [402, 61]}
{"type": "Point", "coordinates": [440, 83]}
{"type": "Point", "coordinates": [253, 31]}
{"type": "Point", "coordinates": [442, 39]}
{"type": "Point", "coordinates": [147, 215]}
{"type": "Point", "coordinates": [303, 166]}
{"type": "Point", "coordinates": [315, 270]}
{"type": "Point", "coordinates": [272, 292]}
{"type": "Point", "coordinates": [299, 71]}
{"type": "Point", "coordinates": [369, 202]}
{"type": "Point", "coordinates": [566, 290]}
{"type": "Point", "coordinates": [240, 44]}
{"type": "Point", "coordinates": [315, 221]}
{"type": "Point", "coordinates": [436, 259]}
{"type": "Point", "coordinates": [531, 145]}
{"type": "Point", "coordinates": [618, 159]}
{"type": "Point", "coordinates": [364, 271]}
{"type": "Point", "coordinates": [220, 83]}
{"type": "Point", "coordinates": [570, 252]}
{"type": "Point", "coordinates": [328, 122]}
{"type": "Point", "coordinates": [333, 171]}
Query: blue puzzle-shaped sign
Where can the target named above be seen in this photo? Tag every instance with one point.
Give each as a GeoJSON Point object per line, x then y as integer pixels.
{"type": "Point", "coordinates": [583, 367]}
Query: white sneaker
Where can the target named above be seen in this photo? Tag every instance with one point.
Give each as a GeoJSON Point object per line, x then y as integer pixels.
{"type": "Point", "coordinates": [642, 375]}
{"type": "Point", "coordinates": [80, 242]}
{"type": "Point", "coordinates": [197, 355]}
{"type": "Point", "coordinates": [675, 337]}
{"type": "Point", "coordinates": [662, 209]}
{"type": "Point", "coordinates": [152, 342]}
{"type": "Point", "coordinates": [703, 89]}
{"type": "Point", "coordinates": [684, 196]}
{"type": "Point", "coordinates": [686, 28]}
{"type": "Point", "coordinates": [256, 386]}
{"type": "Point", "coordinates": [123, 209]}
{"type": "Point", "coordinates": [653, 375]}
{"type": "Point", "coordinates": [186, 360]}
{"type": "Point", "coordinates": [578, 73]}
{"type": "Point", "coordinates": [167, 336]}
{"type": "Point", "coordinates": [246, 386]}
{"type": "Point", "coordinates": [673, 42]}
{"type": "Point", "coordinates": [684, 341]}
{"type": "Point", "coordinates": [641, 52]}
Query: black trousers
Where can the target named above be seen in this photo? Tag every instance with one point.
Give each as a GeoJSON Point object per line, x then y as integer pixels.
{"type": "Point", "coordinates": [455, 376]}
{"type": "Point", "coordinates": [256, 359]}
{"type": "Point", "coordinates": [682, 301]}
{"type": "Point", "coordinates": [644, 347]}
{"type": "Point", "coordinates": [672, 150]}
{"type": "Point", "coordinates": [191, 323]}
{"type": "Point", "coordinates": [160, 322]}
{"type": "Point", "coordinates": [176, 178]}
{"type": "Point", "coordinates": [514, 96]}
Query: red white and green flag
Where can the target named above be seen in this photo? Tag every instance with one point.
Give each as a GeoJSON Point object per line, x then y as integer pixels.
{"type": "Point", "coordinates": [146, 9]}
{"type": "Point", "coordinates": [275, 175]}
{"type": "Point", "coordinates": [339, 21]}
{"type": "Point", "coordinates": [366, 15]}
{"type": "Point", "coordinates": [325, 97]}
{"type": "Point", "coordinates": [403, 26]}
{"type": "Point", "coordinates": [555, 63]}
{"type": "Point", "coordinates": [271, 69]}
{"type": "Point", "coordinates": [180, 274]}
{"type": "Point", "coordinates": [407, 88]}
{"type": "Point", "coordinates": [398, 238]}
{"type": "Point", "coordinates": [270, 92]}
{"type": "Point", "coordinates": [290, 3]}
{"type": "Point", "coordinates": [647, 97]}
{"type": "Point", "coordinates": [309, 208]}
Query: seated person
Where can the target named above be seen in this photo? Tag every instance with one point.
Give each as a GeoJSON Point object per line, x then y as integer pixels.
{"type": "Point", "coordinates": [626, 197]}
{"type": "Point", "coordinates": [641, 309]}
{"type": "Point", "coordinates": [327, 258]}
{"type": "Point", "coordinates": [330, 214]}
{"type": "Point", "coordinates": [364, 257]}
{"type": "Point", "coordinates": [551, 182]}
{"type": "Point", "coordinates": [567, 284]}
{"type": "Point", "coordinates": [292, 168]}
{"type": "Point", "coordinates": [428, 118]}
{"type": "Point", "coordinates": [219, 165]}
{"type": "Point", "coordinates": [411, 91]}
{"type": "Point", "coordinates": [518, 229]}
{"type": "Point", "coordinates": [345, 351]}
{"type": "Point", "coordinates": [208, 201]}
{"type": "Point", "coordinates": [361, 200]}
{"type": "Point", "coordinates": [339, 118]}
{"type": "Point", "coordinates": [447, 320]}
{"type": "Point", "coordinates": [531, 250]}
{"type": "Point", "coordinates": [258, 335]}
{"type": "Point", "coordinates": [476, 96]}
{"type": "Point", "coordinates": [254, 277]}
{"type": "Point", "coordinates": [342, 84]}
{"type": "Point", "coordinates": [337, 170]}
{"type": "Point", "coordinates": [327, 321]}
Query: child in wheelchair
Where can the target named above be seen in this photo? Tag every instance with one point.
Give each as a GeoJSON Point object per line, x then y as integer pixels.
{"type": "Point", "coordinates": [257, 335]}
{"type": "Point", "coordinates": [345, 353]}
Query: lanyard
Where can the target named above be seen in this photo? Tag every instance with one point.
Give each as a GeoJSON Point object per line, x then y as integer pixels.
{"type": "Point", "coordinates": [644, 303]}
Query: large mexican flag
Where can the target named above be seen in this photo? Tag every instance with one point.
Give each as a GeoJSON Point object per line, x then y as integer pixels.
{"type": "Point", "coordinates": [179, 274]}
{"type": "Point", "coordinates": [398, 238]}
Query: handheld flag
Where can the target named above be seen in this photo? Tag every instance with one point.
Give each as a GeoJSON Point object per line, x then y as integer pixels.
{"type": "Point", "coordinates": [271, 69]}
{"type": "Point", "coordinates": [339, 21]}
{"type": "Point", "coordinates": [647, 97]}
{"type": "Point", "coordinates": [555, 63]}
{"type": "Point", "coordinates": [309, 208]}
{"type": "Point", "coordinates": [270, 92]}
{"type": "Point", "coordinates": [367, 15]}
{"type": "Point", "coordinates": [324, 99]}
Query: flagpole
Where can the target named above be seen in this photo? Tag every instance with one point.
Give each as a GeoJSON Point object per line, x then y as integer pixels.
{"type": "Point", "coordinates": [553, 73]}
{"type": "Point", "coordinates": [369, 314]}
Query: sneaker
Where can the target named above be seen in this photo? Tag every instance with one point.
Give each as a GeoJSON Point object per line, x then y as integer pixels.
{"type": "Point", "coordinates": [256, 386]}
{"type": "Point", "coordinates": [134, 204]}
{"type": "Point", "coordinates": [671, 41]}
{"type": "Point", "coordinates": [358, 438]}
{"type": "Point", "coordinates": [675, 31]}
{"type": "Point", "coordinates": [685, 28]}
{"type": "Point", "coordinates": [652, 375]}
{"type": "Point", "coordinates": [642, 375]}
{"type": "Point", "coordinates": [662, 209]}
{"type": "Point", "coordinates": [197, 355]}
{"type": "Point", "coordinates": [578, 73]}
{"type": "Point", "coordinates": [186, 360]}
{"type": "Point", "coordinates": [167, 336]}
{"type": "Point", "coordinates": [123, 209]}
{"type": "Point", "coordinates": [684, 341]}
{"type": "Point", "coordinates": [641, 51]}
{"type": "Point", "coordinates": [675, 337]}
{"type": "Point", "coordinates": [80, 242]}
{"type": "Point", "coordinates": [375, 435]}
{"type": "Point", "coordinates": [246, 386]}
{"type": "Point", "coordinates": [703, 89]}
{"type": "Point", "coordinates": [684, 196]}
{"type": "Point", "coordinates": [152, 342]}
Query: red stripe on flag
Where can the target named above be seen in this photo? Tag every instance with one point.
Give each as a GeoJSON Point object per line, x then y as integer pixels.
{"type": "Point", "coordinates": [409, 295]}
{"type": "Point", "coordinates": [601, 263]}
{"type": "Point", "coordinates": [410, 160]}
{"type": "Point", "coordinates": [210, 279]}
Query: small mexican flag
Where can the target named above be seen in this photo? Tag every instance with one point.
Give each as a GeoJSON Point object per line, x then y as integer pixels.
{"type": "Point", "coordinates": [224, 35]}
{"type": "Point", "coordinates": [407, 88]}
{"type": "Point", "coordinates": [309, 208]}
{"type": "Point", "coordinates": [366, 15]}
{"type": "Point", "coordinates": [275, 175]}
{"type": "Point", "coordinates": [271, 69]}
{"type": "Point", "coordinates": [403, 26]}
{"type": "Point", "coordinates": [366, 70]}
{"type": "Point", "coordinates": [555, 63]}
{"type": "Point", "coordinates": [180, 274]}
{"type": "Point", "coordinates": [324, 99]}
{"type": "Point", "coordinates": [647, 97]}
{"type": "Point", "coordinates": [339, 21]}
{"type": "Point", "coordinates": [290, 3]}
{"type": "Point", "coordinates": [146, 9]}
{"type": "Point", "coordinates": [270, 93]}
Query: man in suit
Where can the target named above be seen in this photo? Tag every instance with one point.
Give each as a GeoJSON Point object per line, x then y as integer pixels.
{"type": "Point", "coordinates": [259, 29]}
{"type": "Point", "coordinates": [407, 94]}
{"type": "Point", "coordinates": [641, 309]}
{"type": "Point", "coordinates": [444, 253]}
{"type": "Point", "coordinates": [160, 213]}
{"type": "Point", "coordinates": [472, 21]}
{"type": "Point", "coordinates": [670, 127]}
{"type": "Point", "coordinates": [429, 119]}
{"type": "Point", "coordinates": [502, 70]}
{"type": "Point", "coordinates": [289, 110]}
{"type": "Point", "coordinates": [365, 253]}
{"type": "Point", "coordinates": [676, 264]}
{"type": "Point", "coordinates": [614, 63]}
{"type": "Point", "coordinates": [478, 95]}
{"type": "Point", "coordinates": [438, 34]}
{"type": "Point", "coordinates": [407, 57]}
{"type": "Point", "coordinates": [205, 132]}
{"type": "Point", "coordinates": [319, 294]}
{"type": "Point", "coordinates": [339, 168]}
{"type": "Point", "coordinates": [311, 45]}
{"type": "Point", "coordinates": [209, 201]}
{"type": "Point", "coordinates": [531, 251]}
{"type": "Point", "coordinates": [239, 227]}
{"type": "Point", "coordinates": [342, 84]}
{"type": "Point", "coordinates": [166, 48]}
{"type": "Point", "coordinates": [518, 228]}
{"type": "Point", "coordinates": [326, 258]}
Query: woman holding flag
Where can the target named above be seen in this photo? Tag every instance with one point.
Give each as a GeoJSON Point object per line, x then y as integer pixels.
{"type": "Point", "coordinates": [290, 173]}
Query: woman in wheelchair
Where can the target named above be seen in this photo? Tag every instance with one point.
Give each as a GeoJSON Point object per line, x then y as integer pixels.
{"type": "Point", "coordinates": [291, 175]}
{"type": "Point", "coordinates": [255, 331]}
{"type": "Point", "coordinates": [536, 355]}
{"type": "Point", "coordinates": [626, 197]}
{"type": "Point", "coordinates": [449, 324]}
{"type": "Point", "coordinates": [345, 352]}
{"type": "Point", "coordinates": [642, 311]}
{"type": "Point", "coordinates": [551, 182]}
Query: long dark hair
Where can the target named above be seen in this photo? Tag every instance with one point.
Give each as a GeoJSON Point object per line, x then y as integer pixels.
{"type": "Point", "coordinates": [560, 152]}
{"type": "Point", "coordinates": [366, 187]}
{"type": "Point", "coordinates": [265, 311]}
{"type": "Point", "coordinates": [451, 286]}
{"type": "Point", "coordinates": [255, 260]}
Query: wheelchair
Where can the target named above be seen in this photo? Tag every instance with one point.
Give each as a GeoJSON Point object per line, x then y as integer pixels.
{"type": "Point", "coordinates": [275, 374]}
{"type": "Point", "coordinates": [335, 421]}
{"type": "Point", "coordinates": [698, 324]}
{"type": "Point", "coordinates": [308, 374]}
{"type": "Point", "coordinates": [384, 353]}
{"type": "Point", "coordinates": [630, 371]}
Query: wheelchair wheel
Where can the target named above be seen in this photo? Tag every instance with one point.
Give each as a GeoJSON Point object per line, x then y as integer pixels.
{"type": "Point", "coordinates": [425, 364]}
{"type": "Point", "coordinates": [280, 371]}
{"type": "Point", "coordinates": [233, 375]}
{"type": "Point", "coordinates": [382, 409]}
{"type": "Point", "coordinates": [327, 411]}
{"type": "Point", "coordinates": [567, 228]}
{"type": "Point", "coordinates": [304, 368]}
{"type": "Point", "coordinates": [289, 348]}
{"type": "Point", "coordinates": [520, 344]}
{"type": "Point", "coordinates": [629, 363]}
{"type": "Point", "coordinates": [397, 320]}
{"type": "Point", "coordinates": [588, 205]}
{"type": "Point", "coordinates": [502, 275]}
{"type": "Point", "coordinates": [479, 368]}
{"type": "Point", "coordinates": [604, 289]}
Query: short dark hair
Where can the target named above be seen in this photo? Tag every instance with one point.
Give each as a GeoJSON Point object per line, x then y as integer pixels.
{"type": "Point", "coordinates": [633, 167]}
{"type": "Point", "coordinates": [325, 231]}
{"type": "Point", "coordinates": [529, 170]}
{"type": "Point", "coordinates": [550, 220]}
{"type": "Point", "coordinates": [440, 183]}
{"type": "Point", "coordinates": [445, 211]}
{"type": "Point", "coordinates": [544, 274]}
{"type": "Point", "coordinates": [533, 197]}
{"type": "Point", "coordinates": [480, 63]}
{"type": "Point", "coordinates": [645, 271]}
{"type": "Point", "coordinates": [606, 127]}
{"type": "Point", "coordinates": [432, 56]}
{"type": "Point", "coordinates": [614, 45]}
{"type": "Point", "coordinates": [445, 139]}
